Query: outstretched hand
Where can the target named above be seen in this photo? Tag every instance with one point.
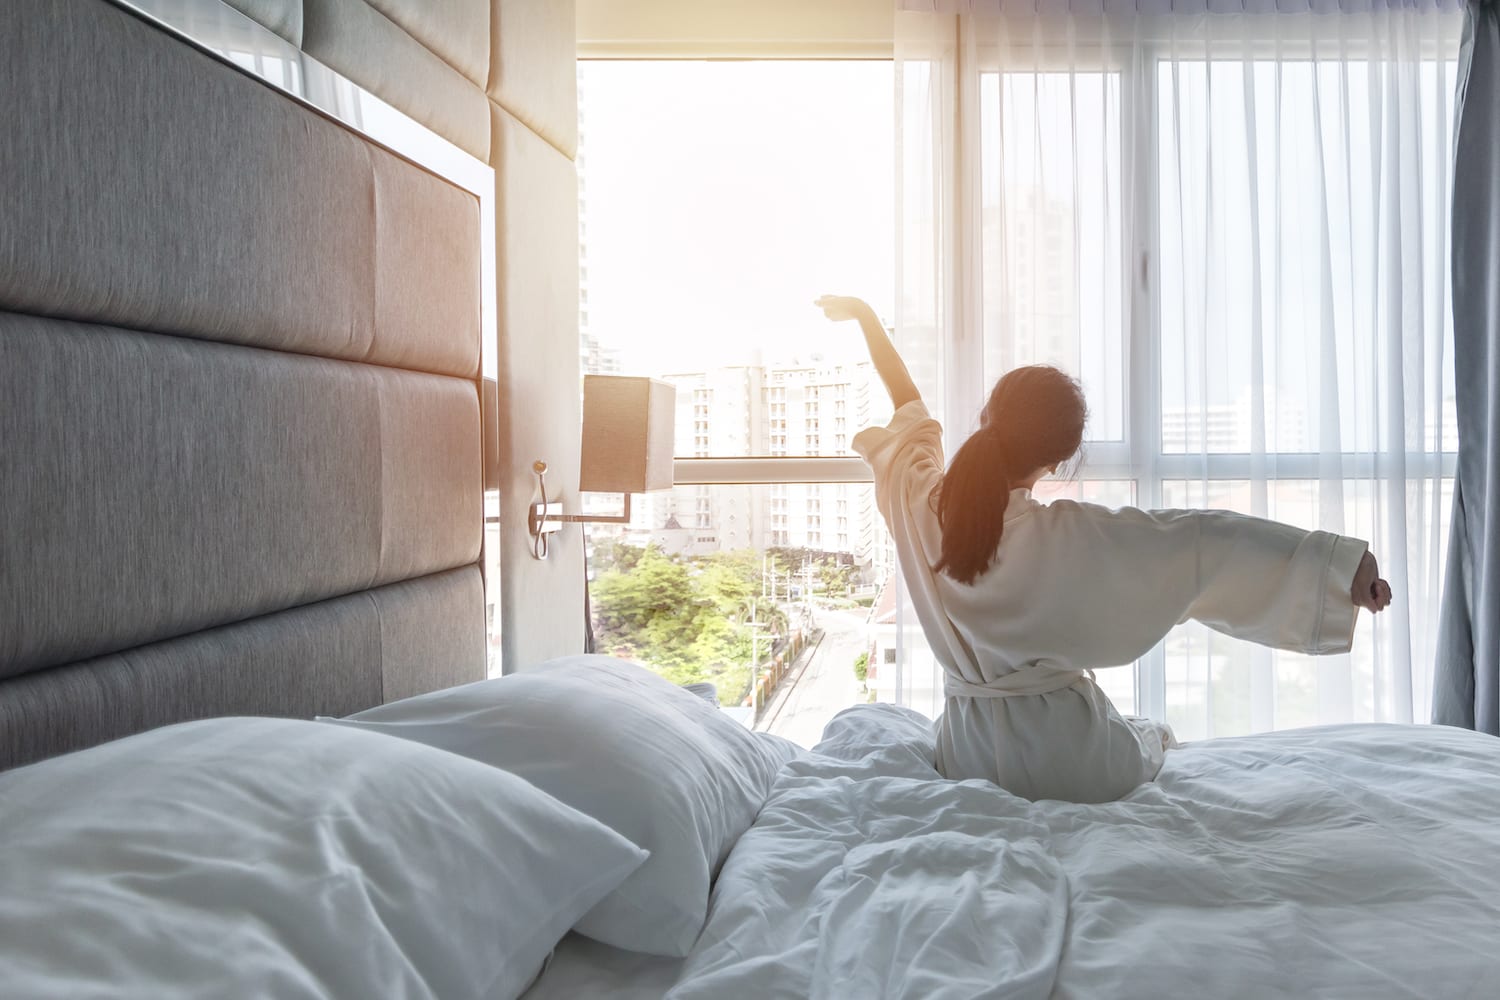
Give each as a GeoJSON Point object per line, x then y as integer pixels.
{"type": "Point", "coordinates": [1369, 591]}
{"type": "Point", "coordinates": [842, 307]}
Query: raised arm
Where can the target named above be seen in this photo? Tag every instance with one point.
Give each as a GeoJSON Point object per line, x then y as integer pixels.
{"type": "Point", "coordinates": [888, 364]}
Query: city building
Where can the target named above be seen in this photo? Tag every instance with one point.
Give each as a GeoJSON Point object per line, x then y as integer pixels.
{"type": "Point", "coordinates": [794, 408]}
{"type": "Point", "coordinates": [901, 669]}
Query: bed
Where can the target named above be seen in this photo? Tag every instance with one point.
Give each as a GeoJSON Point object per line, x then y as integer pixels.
{"type": "Point", "coordinates": [1322, 862]}
{"type": "Point", "coordinates": [247, 743]}
{"type": "Point", "coordinates": [588, 829]}
{"type": "Point", "coordinates": [1350, 861]}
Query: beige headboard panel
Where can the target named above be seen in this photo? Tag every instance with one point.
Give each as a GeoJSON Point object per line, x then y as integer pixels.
{"type": "Point", "coordinates": [498, 78]}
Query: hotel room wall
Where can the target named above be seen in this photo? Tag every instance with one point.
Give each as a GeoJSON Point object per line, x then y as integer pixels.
{"type": "Point", "coordinates": [510, 63]}
{"type": "Point", "coordinates": [433, 71]}
{"type": "Point", "coordinates": [533, 90]}
{"type": "Point", "coordinates": [239, 350]}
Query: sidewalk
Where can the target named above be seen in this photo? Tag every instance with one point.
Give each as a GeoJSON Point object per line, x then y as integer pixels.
{"type": "Point", "coordinates": [783, 691]}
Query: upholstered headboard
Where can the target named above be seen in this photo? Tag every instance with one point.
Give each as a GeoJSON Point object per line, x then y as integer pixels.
{"type": "Point", "coordinates": [240, 433]}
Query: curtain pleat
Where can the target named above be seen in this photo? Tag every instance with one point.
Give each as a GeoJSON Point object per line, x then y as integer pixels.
{"type": "Point", "coordinates": [1467, 690]}
{"type": "Point", "coordinates": [1232, 226]}
{"type": "Point", "coordinates": [1170, 8]}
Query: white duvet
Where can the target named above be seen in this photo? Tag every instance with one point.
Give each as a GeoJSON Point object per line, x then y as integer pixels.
{"type": "Point", "coordinates": [1355, 861]}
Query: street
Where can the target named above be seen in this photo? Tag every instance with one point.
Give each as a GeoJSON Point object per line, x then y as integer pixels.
{"type": "Point", "coordinates": [812, 695]}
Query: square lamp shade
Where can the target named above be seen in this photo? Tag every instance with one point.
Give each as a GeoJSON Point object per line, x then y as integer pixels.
{"type": "Point", "coordinates": [628, 426]}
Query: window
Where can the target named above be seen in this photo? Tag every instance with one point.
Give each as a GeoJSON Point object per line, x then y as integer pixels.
{"type": "Point", "coordinates": [1030, 204]}
{"type": "Point", "coordinates": [1191, 236]}
{"type": "Point", "coordinates": [1141, 219]}
{"type": "Point", "coordinates": [720, 199]}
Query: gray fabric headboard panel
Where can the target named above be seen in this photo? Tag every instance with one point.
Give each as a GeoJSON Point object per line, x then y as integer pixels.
{"type": "Point", "coordinates": [240, 435]}
{"type": "Point", "coordinates": [170, 485]}
{"type": "Point", "coordinates": [331, 658]}
{"type": "Point", "coordinates": [157, 189]}
{"type": "Point", "coordinates": [432, 67]}
{"type": "Point", "coordinates": [282, 16]}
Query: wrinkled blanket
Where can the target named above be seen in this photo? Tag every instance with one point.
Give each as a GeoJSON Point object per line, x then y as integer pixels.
{"type": "Point", "coordinates": [1348, 861]}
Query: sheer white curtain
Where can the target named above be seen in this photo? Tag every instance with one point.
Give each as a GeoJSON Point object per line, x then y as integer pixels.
{"type": "Point", "coordinates": [1233, 227]}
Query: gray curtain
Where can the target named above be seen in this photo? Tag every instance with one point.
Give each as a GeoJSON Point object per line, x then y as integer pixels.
{"type": "Point", "coordinates": [1467, 681]}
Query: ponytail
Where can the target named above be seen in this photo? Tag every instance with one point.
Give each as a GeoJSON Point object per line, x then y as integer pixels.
{"type": "Point", "coordinates": [1034, 418]}
{"type": "Point", "coordinates": [971, 506]}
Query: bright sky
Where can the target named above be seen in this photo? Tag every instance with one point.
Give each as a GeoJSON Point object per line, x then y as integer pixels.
{"type": "Point", "coordinates": [721, 198]}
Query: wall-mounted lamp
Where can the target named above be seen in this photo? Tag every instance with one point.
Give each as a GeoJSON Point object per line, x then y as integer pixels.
{"type": "Point", "coordinates": [627, 448]}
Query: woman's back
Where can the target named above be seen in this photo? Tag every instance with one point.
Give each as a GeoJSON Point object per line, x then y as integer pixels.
{"type": "Point", "coordinates": [1073, 587]}
{"type": "Point", "coordinates": [1079, 586]}
{"type": "Point", "coordinates": [1020, 602]}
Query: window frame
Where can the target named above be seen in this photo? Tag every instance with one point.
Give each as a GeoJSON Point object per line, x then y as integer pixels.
{"type": "Point", "coordinates": [678, 31]}
{"type": "Point", "coordinates": [735, 29]}
{"type": "Point", "coordinates": [1140, 457]}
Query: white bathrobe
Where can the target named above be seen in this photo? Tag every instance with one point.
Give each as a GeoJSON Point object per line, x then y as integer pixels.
{"type": "Point", "coordinates": [1074, 587]}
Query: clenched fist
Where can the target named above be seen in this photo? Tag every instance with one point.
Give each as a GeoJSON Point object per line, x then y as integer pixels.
{"type": "Point", "coordinates": [1369, 591]}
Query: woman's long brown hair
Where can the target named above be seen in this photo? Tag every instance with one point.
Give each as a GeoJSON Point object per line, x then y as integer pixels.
{"type": "Point", "coordinates": [1034, 418]}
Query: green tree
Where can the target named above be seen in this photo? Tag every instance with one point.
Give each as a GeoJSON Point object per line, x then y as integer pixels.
{"type": "Point", "coordinates": [837, 578]}
{"type": "Point", "coordinates": [722, 583]}
{"type": "Point", "coordinates": [649, 609]}
{"type": "Point", "coordinates": [614, 554]}
{"type": "Point", "coordinates": [834, 572]}
{"type": "Point", "coordinates": [743, 563]}
{"type": "Point", "coordinates": [678, 618]}
{"type": "Point", "coordinates": [689, 620]}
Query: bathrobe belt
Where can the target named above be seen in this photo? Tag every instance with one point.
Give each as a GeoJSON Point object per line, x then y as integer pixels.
{"type": "Point", "coordinates": [1027, 680]}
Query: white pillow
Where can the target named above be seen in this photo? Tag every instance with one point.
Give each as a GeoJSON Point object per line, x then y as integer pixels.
{"type": "Point", "coordinates": [280, 858]}
{"type": "Point", "coordinates": [609, 737]}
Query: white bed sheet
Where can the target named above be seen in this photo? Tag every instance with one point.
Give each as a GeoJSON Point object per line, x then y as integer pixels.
{"type": "Point", "coordinates": [1353, 861]}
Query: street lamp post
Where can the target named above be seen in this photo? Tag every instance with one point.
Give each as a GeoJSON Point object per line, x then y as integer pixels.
{"type": "Point", "coordinates": [807, 605]}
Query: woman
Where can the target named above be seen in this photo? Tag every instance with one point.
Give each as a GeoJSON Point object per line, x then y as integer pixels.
{"type": "Point", "coordinates": [1020, 601]}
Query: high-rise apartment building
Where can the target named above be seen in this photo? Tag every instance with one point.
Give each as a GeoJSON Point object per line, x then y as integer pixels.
{"type": "Point", "coordinates": [776, 410]}
{"type": "Point", "coordinates": [1030, 302]}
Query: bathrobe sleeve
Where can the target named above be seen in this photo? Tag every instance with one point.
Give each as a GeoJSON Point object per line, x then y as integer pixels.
{"type": "Point", "coordinates": [1247, 577]}
{"type": "Point", "coordinates": [1089, 586]}
{"type": "Point", "coordinates": [1275, 584]}
{"type": "Point", "coordinates": [906, 457]}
